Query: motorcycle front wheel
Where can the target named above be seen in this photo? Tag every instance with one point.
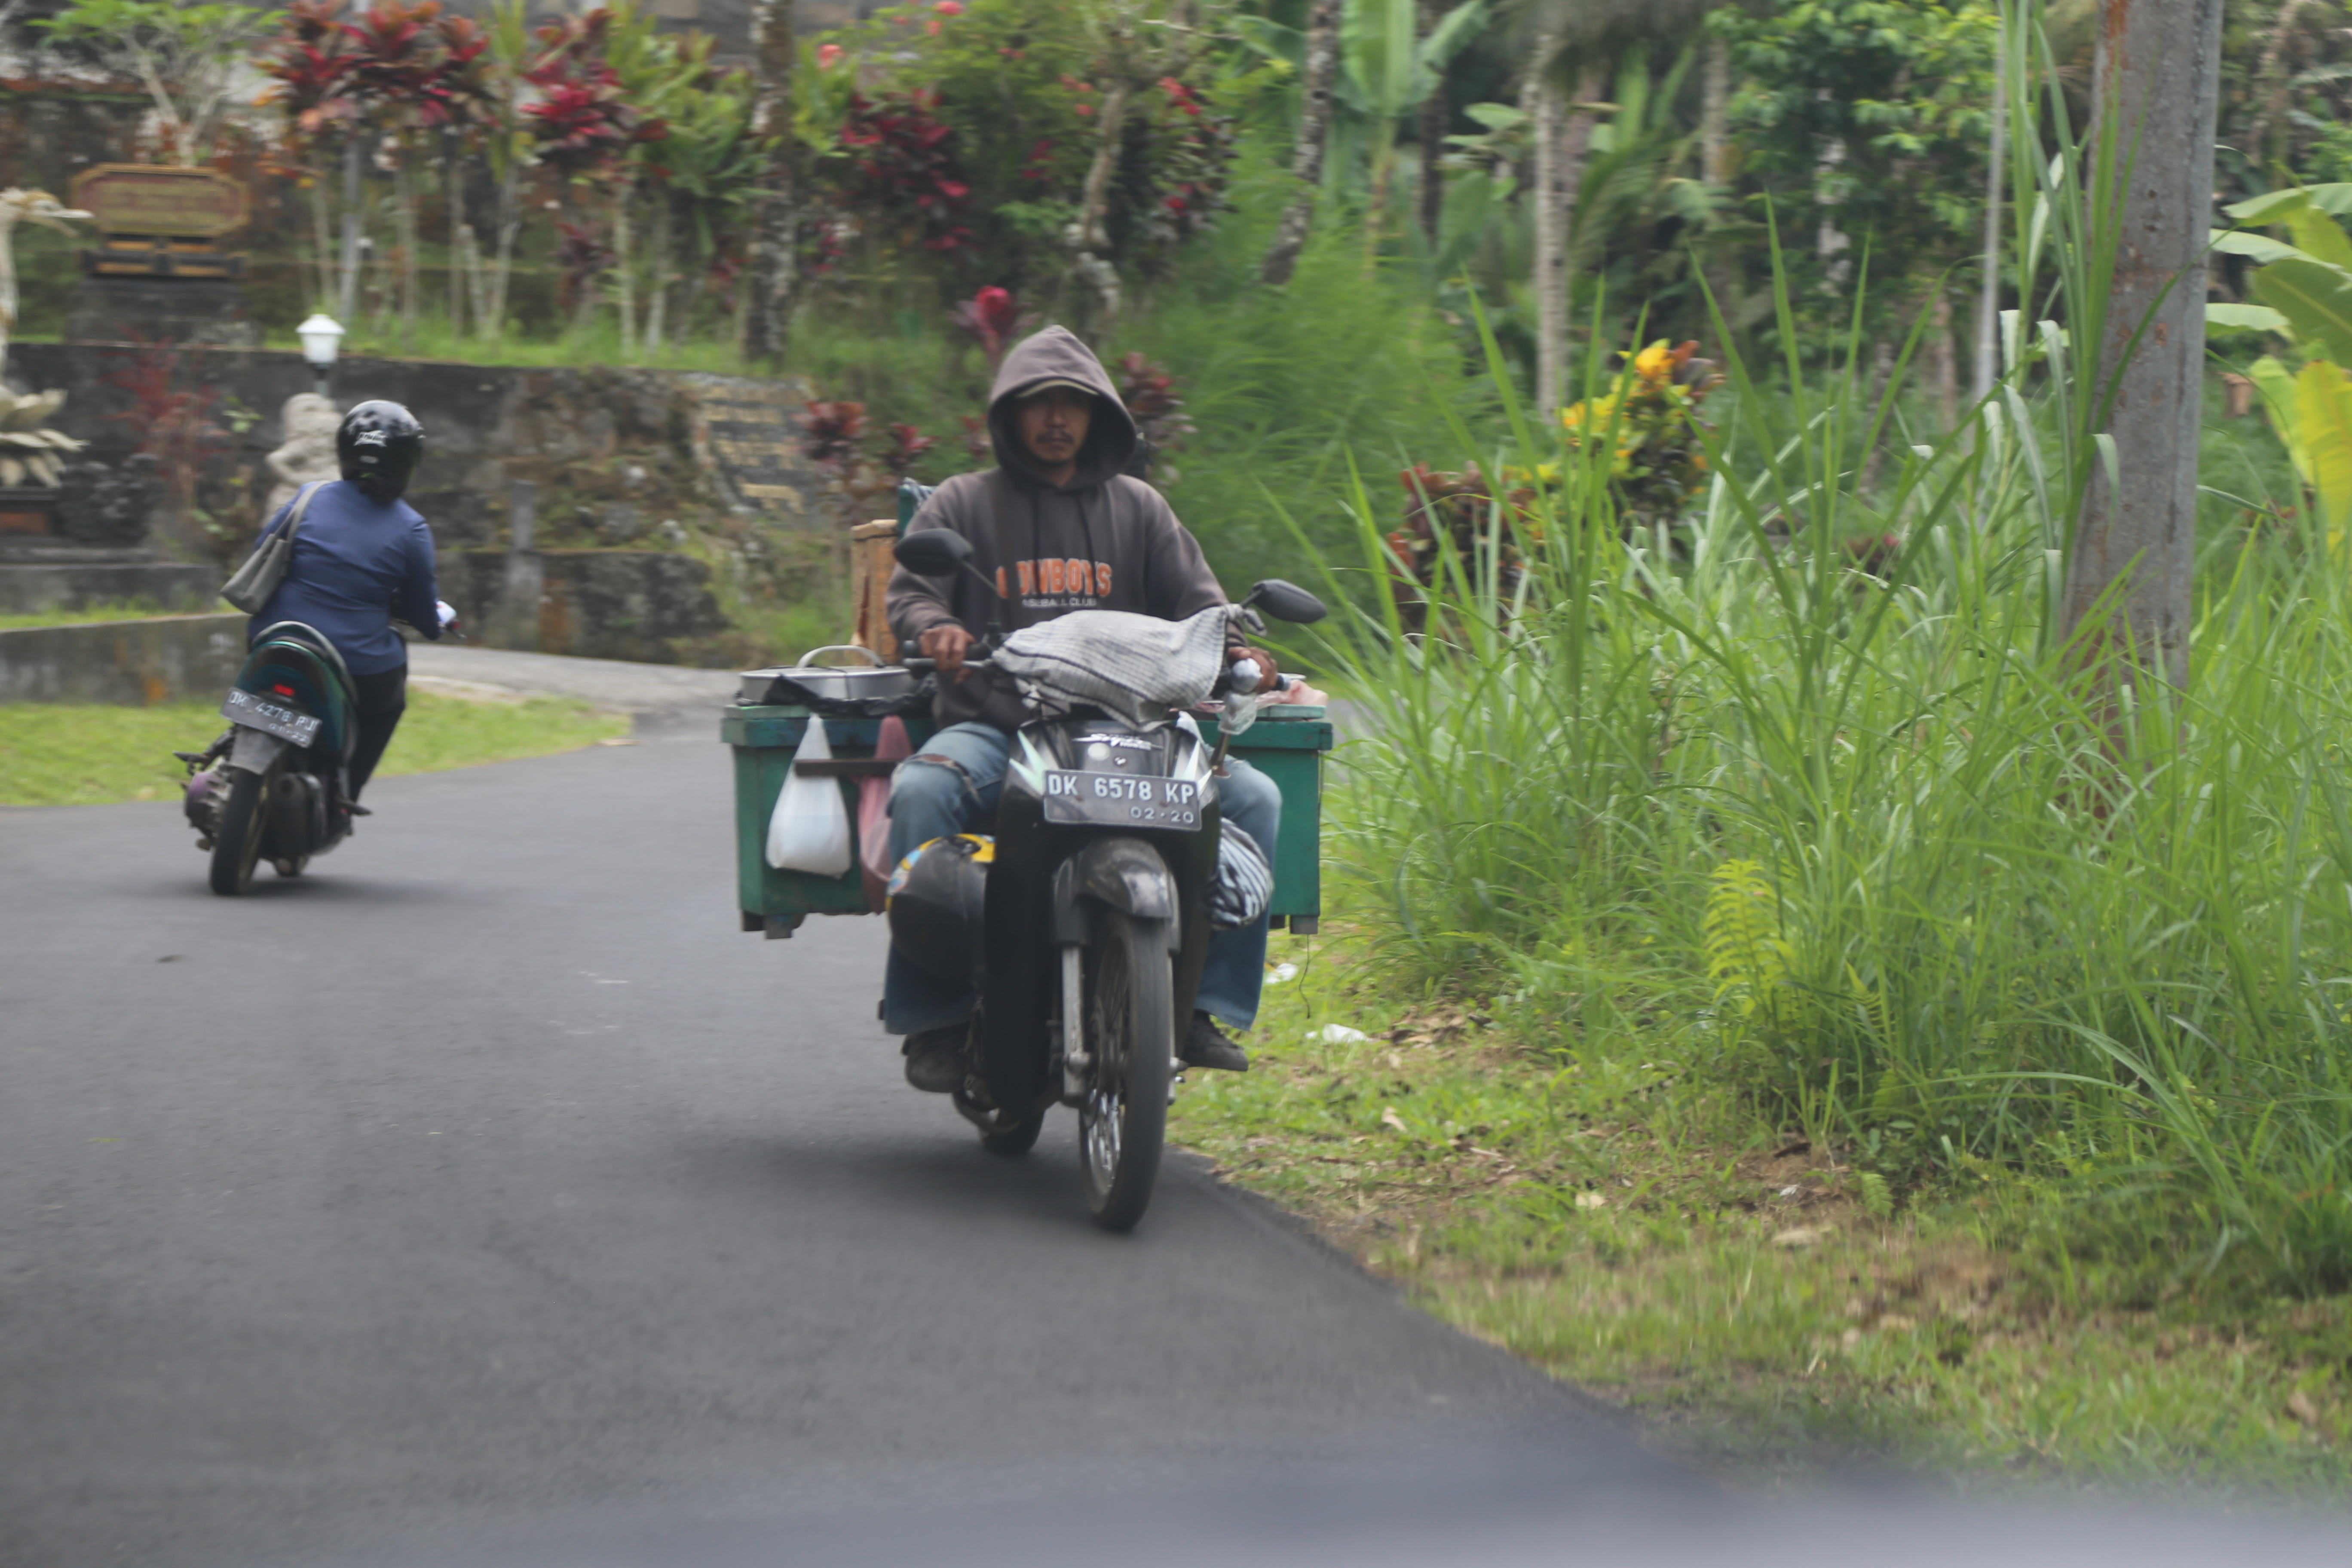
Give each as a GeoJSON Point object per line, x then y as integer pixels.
{"type": "Point", "coordinates": [1130, 1027]}
{"type": "Point", "coordinates": [237, 846]}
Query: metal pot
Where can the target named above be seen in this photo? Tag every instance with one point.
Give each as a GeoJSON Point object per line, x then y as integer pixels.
{"type": "Point", "coordinates": [832, 680]}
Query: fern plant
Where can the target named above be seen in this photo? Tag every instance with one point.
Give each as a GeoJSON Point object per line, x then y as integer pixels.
{"type": "Point", "coordinates": [1747, 957]}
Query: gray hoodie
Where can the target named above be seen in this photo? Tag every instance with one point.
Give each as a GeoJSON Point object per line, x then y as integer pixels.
{"type": "Point", "coordinates": [1102, 541]}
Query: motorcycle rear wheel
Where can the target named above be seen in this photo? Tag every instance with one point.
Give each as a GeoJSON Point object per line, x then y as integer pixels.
{"type": "Point", "coordinates": [1131, 1030]}
{"type": "Point", "coordinates": [237, 845]}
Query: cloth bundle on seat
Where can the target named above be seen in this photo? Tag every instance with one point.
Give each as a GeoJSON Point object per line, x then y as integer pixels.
{"type": "Point", "coordinates": [1243, 884]}
{"type": "Point", "coordinates": [1135, 665]}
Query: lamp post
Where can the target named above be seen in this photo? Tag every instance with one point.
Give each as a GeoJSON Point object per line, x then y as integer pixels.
{"type": "Point", "coordinates": [320, 336]}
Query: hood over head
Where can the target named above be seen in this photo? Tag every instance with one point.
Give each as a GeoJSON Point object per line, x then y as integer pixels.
{"type": "Point", "coordinates": [1056, 354]}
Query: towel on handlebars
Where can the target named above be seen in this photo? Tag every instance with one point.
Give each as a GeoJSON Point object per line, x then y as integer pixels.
{"type": "Point", "coordinates": [1135, 665]}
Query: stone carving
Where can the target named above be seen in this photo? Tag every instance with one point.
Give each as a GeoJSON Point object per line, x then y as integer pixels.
{"type": "Point", "coordinates": [29, 451]}
{"type": "Point", "coordinates": [25, 206]}
{"type": "Point", "coordinates": [309, 422]}
{"type": "Point", "coordinates": [100, 505]}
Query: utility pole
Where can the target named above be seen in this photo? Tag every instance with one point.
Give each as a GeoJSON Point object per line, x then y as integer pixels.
{"type": "Point", "coordinates": [2156, 86]}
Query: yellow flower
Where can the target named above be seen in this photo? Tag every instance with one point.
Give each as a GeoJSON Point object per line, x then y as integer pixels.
{"type": "Point", "coordinates": [1655, 363]}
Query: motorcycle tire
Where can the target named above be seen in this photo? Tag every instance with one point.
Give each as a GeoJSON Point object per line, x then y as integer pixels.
{"type": "Point", "coordinates": [1131, 1035]}
{"type": "Point", "coordinates": [237, 846]}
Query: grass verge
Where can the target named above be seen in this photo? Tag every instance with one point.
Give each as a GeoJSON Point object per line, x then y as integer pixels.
{"type": "Point", "coordinates": [1768, 1311]}
{"type": "Point", "coordinates": [82, 755]}
{"type": "Point", "coordinates": [134, 610]}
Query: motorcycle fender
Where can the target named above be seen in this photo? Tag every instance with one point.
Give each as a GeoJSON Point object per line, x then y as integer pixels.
{"type": "Point", "coordinates": [254, 749]}
{"type": "Point", "coordinates": [1123, 873]}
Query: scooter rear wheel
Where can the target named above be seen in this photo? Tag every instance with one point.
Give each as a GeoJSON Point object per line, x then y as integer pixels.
{"type": "Point", "coordinates": [237, 846]}
{"type": "Point", "coordinates": [1131, 1027]}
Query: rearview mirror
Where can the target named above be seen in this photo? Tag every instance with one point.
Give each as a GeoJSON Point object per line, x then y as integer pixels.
{"type": "Point", "coordinates": [1286, 602]}
{"type": "Point", "coordinates": [937, 552]}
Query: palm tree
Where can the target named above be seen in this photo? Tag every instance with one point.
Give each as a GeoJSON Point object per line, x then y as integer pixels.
{"type": "Point", "coordinates": [1313, 140]}
{"type": "Point", "coordinates": [1573, 47]}
{"type": "Point", "coordinates": [767, 322]}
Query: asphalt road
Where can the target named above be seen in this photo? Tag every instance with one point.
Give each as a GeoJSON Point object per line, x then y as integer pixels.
{"type": "Point", "coordinates": [486, 1192]}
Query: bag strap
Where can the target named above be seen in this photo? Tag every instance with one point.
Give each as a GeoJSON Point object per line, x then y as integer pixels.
{"type": "Point", "coordinates": [301, 505]}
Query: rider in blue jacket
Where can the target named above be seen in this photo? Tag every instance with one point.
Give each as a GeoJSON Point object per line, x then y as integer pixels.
{"type": "Point", "coordinates": [363, 558]}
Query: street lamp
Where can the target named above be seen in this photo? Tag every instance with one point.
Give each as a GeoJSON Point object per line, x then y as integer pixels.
{"type": "Point", "coordinates": [320, 337]}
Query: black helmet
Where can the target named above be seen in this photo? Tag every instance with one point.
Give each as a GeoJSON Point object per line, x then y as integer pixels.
{"type": "Point", "coordinates": [936, 898]}
{"type": "Point", "coordinates": [378, 446]}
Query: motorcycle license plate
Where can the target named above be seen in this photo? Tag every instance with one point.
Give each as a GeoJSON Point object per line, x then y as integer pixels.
{"type": "Point", "coordinates": [1114, 800]}
{"type": "Point", "coordinates": [276, 718]}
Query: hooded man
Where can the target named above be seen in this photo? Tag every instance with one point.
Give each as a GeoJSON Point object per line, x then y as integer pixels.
{"type": "Point", "coordinates": [1057, 525]}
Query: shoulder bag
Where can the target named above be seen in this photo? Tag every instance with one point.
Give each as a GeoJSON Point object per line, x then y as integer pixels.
{"type": "Point", "coordinates": [265, 569]}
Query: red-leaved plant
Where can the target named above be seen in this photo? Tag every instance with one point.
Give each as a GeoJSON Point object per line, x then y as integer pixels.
{"type": "Point", "coordinates": [1464, 510]}
{"type": "Point", "coordinates": [1148, 391]}
{"type": "Point", "coordinates": [831, 433]}
{"type": "Point", "coordinates": [897, 147]}
{"type": "Point", "coordinates": [993, 319]}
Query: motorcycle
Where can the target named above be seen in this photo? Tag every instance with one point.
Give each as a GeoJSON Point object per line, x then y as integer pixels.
{"type": "Point", "coordinates": [273, 785]}
{"type": "Point", "coordinates": [1094, 922]}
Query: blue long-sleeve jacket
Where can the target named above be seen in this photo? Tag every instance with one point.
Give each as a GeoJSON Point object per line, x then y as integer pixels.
{"type": "Point", "coordinates": [357, 563]}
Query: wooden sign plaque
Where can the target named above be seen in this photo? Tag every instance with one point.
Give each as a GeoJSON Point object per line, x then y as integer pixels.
{"type": "Point", "coordinates": [155, 221]}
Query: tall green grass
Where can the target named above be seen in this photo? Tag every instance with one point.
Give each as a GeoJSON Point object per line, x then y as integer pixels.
{"type": "Point", "coordinates": [1871, 843]}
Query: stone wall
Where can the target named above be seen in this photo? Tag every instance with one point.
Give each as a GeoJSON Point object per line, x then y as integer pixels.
{"type": "Point", "coordinates": [652, 606]}
{"type": "Point", "coordinates": [134, 663]}
{"type": "Point", "coordinates": [616, 452]}
{"type": "Point", "coordinates": [646, 480]}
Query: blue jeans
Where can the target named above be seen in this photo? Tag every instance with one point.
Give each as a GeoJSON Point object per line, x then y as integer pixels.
{"type": "Point", "coordinates": [951, 786]}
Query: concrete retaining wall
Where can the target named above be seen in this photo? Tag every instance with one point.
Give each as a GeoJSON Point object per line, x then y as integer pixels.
{"type": "Point", "coordinates": [27, 590]}
{"type": "Point", "coordinates": [134, 663]}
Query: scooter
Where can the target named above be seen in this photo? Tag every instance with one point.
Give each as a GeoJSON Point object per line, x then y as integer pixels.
{"type": "Point", "coordinates": [1094, 924]}
{"type": "Point", "coordinates": [273, 786]}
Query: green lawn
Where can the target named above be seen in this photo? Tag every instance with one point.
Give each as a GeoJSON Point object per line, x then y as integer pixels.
{"type": "Point", "coordinates": [82, 755]}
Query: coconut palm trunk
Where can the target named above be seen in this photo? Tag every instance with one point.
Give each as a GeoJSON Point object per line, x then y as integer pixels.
{"type": "Point", "coordinates": [453, 187]}
{"type": "Point", "coordinates": [1546, 109]}
{"type": "Point", "coordinates": [493, 320]}
{"type": "Point", "coordinates": [2158, 80]}
{"type": "Point", "coordinates": [773, 274]}
{"type": "Point", "coordinates": [1436, 112]}
{"type": "Point", "coordinates": [322, 231]}
{"type": "Point", "coordinates": [347, 282]}
{"type": "Point", "coordinates": [404, 196]}
{"type": "Point", "coordinates": [1310, 145]}
{"type": "Point", "coordinates": [624, 263]}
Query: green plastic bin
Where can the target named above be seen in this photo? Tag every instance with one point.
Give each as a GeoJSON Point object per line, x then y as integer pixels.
{"type": "Point", "coordinates": [1287, 744]}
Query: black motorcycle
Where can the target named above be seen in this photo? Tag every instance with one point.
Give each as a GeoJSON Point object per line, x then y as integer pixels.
{"type": "Point", "coordinates": [1093, 923]}
{"type": "Point", "coordinates": [273, 785]}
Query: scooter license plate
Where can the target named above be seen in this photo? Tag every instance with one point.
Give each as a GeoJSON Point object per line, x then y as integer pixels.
{"type": "Point", "coordinates": [1115, 800]}
{"type": "Point", "coordinates": [274, 718]}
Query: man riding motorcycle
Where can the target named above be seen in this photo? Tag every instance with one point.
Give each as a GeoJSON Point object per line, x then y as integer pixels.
{"type": "Point", "coordinates": [1057, 525]}
{"type": "Point", "coordinates": [362, 557]}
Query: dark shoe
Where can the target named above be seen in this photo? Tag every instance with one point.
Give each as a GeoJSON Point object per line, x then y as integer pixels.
{"type": "Point", "coordinates": [935, 1059]}
{"type": "Point", "coordinates": [1207, 1047]}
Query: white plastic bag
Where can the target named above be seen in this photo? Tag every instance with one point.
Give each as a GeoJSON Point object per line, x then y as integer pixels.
{"type": "Point", "coordinates": [810, 828]}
